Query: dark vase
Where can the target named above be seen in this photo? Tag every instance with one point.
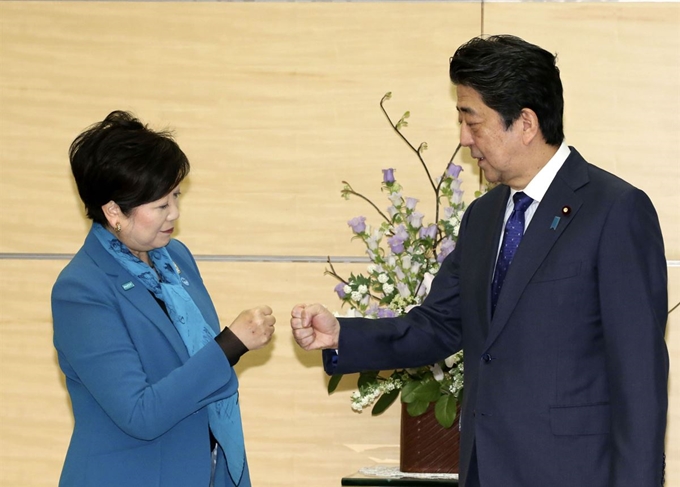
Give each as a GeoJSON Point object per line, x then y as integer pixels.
{"type": "Point", "coordinates": [426, 446]}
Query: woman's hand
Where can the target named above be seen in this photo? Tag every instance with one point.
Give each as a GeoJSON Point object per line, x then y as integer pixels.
{"type": "Point", "coordinates": [254, 327]}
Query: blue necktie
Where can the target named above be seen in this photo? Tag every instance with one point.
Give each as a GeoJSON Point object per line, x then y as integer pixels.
{"type": "Point", "coordinates": [514, 230]}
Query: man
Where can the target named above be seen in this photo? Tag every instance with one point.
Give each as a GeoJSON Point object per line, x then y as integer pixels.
{"type": "Point", "coordinates": [556, 291]}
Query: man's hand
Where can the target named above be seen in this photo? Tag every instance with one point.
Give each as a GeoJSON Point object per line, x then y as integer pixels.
{"type": "Point", "coordinates": [314, 327]}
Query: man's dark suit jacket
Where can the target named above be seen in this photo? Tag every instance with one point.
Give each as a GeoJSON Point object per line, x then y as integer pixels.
{"type": "Point", "coordinates": [566, 385]}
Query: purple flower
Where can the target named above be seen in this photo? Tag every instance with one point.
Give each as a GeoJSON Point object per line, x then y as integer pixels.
{"type": "Point", "coordinates": [388, 176]}
{"type": "Point", "coordinates": [340, 289]}
{"type": "Point", "coordinates": [396, 242]}
{"type": "Point", "coordinates": [457, 196]}
{"type": "Point", "coordinates": [386, 313]}
{"type": "Point", "coordinates": [358, 224]}
{"type": "Point", "coordinates": [453, 170]}
{"type": "Point", "coordinates": [429, 231]}
{"type": "Point", "coordinates": [446, 248]}
{"type": "Point", "coordinates": [396, 245]}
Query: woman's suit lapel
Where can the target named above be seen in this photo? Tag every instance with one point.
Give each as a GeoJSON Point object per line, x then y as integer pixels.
{"type": "Point", "coordinates": [133, 292]}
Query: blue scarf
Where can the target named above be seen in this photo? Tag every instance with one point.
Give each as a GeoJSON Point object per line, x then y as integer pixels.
{"type": "Point", "coordinates": [224, 415]}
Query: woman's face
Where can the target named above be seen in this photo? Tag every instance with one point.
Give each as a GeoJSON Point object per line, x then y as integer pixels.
{"type": "Point", "coordinates": [149, 226]}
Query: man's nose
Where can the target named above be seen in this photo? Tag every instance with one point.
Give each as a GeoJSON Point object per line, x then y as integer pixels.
{"type": "Point", "coordinates": [465, 136]}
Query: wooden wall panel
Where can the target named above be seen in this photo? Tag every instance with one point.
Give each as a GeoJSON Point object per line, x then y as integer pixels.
{"type": "Point", "coordinates": [673, 342]}
{"type": "Point", "coordinates": [275, 104]}
{"type": "Point", "coordinates": [620, 66]}
{"type": "Point", "coordinates": [295, 433]}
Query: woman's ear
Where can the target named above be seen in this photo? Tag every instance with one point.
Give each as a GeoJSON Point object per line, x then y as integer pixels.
{"type": "Point", "coordinates": [112, 213]}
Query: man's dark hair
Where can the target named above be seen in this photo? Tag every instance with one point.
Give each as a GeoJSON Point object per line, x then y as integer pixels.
{"type": "Point", "coordinates": [120, 159]}
{"type": "Point", "coordinates": [511, 74]}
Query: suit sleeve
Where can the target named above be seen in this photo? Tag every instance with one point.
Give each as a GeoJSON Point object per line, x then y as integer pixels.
{"type": "Point", "coordinates": [633, 301]}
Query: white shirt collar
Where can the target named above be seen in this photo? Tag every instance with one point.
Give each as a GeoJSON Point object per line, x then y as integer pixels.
{"type": "Point", "coordinates": [540, 183]}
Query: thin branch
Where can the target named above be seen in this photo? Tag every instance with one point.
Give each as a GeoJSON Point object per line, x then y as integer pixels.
{"type": "Point", "coordinates": [332, 272]}
{"type": "Point", "coordinates": [417, 152]}
{"type": "Point", "coordinates": [350, 190]}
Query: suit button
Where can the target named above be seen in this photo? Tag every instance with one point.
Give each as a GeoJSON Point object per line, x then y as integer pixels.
{"type": "Point", "coordinates": [487, 357]}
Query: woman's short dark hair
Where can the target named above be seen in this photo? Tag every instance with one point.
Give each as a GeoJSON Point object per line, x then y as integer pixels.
{"type": "Point", "coordinates": [511, 74]}
{"type": "Point", "coordinates": [120, 159]}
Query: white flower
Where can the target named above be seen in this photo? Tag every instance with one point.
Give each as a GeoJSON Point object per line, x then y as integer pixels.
{"type": "Point", "coordinates": [395, 198]}
{"type": "Point", "coordinates": [356, 296]}
{"type": "Point", "coordinates": [382, 278]}
{"type": "Point", "coordinates": [427, 282]}
{"type": "Point", "coordinates": [437, 372]}
{"type": "Point", "coordinates": [452, 360]}
{"type": "Point", "coordinates": [362, 289]}
{"type": "Point", "coordinates": [372, 268]}
{"type": "Point", "coordinates": [347, 289]}
{"type": "Point", "coordinates": [388, 288]}
{"type": "Point", "coordinates": [403, 289]}
{"type": "Point", "coordinates": [406, 261]}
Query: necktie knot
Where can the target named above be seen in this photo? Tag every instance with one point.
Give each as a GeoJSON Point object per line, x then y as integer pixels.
{"type": "Point", "coordinates": [522, 201]}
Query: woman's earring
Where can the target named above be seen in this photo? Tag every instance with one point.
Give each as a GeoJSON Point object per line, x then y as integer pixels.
{"type": "Point", "coordinates": [118, 228]}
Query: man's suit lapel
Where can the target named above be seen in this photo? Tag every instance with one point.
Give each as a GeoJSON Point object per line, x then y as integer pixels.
{"type": "Point", "coordinates": [133, 291]}
{"type": "Point", "coordinates": [540, 236]}
{"type": "Point", "coordinates": [485, 237]}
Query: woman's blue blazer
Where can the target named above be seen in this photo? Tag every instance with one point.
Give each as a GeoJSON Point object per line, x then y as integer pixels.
{"type": "Point", "coordinates": [139, 400]}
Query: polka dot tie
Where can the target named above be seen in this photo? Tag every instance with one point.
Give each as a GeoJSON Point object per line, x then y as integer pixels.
{"type": "Point", "coordinates": [514, 230]}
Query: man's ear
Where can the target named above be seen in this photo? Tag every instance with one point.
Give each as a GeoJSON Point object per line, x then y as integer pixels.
{"type": "Point", "coordinates": [112, 213]}
{"type": "Point", "coordinates": [530, 126]}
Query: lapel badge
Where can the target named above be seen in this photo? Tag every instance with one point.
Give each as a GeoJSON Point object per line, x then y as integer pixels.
{"type": "Point", "coordinates": [127, 286]}
{"type": "Point", "coordinates": [553, 225]}
{"type": "Point", "coordinates": [184, 281]}
{"type": "Point", "coordinates": [566, 210]}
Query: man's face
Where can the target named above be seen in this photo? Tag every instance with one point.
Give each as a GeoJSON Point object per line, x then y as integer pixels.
{"type": "Point", "coordinates": [498, 150]}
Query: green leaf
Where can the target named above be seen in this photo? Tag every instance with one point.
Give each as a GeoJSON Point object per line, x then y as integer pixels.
{"type": "Point", "coordinates": [366, 378]}
{"type": "Point", "coordinates": [333, 383]}
{"type": "Point", "coordinates": [427, 390]}
{"type": "Point", "coordinates": [384, 402]}
{"type": "Point", "coordinates": [408, 392]}
{"type": "Point", "coordinates": [417, 408]}
{"type": "Point", "coordinates": [445, 410]}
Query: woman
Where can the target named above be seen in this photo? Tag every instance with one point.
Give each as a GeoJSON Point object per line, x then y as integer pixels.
{"type": "Point", "coordinates": [149, 373]}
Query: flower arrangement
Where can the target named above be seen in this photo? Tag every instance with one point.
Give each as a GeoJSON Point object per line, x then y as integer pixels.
{"type": "Point", "coordinates": [405, 254]}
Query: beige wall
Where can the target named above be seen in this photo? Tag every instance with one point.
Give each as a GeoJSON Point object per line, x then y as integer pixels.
{"type": "Point", "coordinates": [276, 104]}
